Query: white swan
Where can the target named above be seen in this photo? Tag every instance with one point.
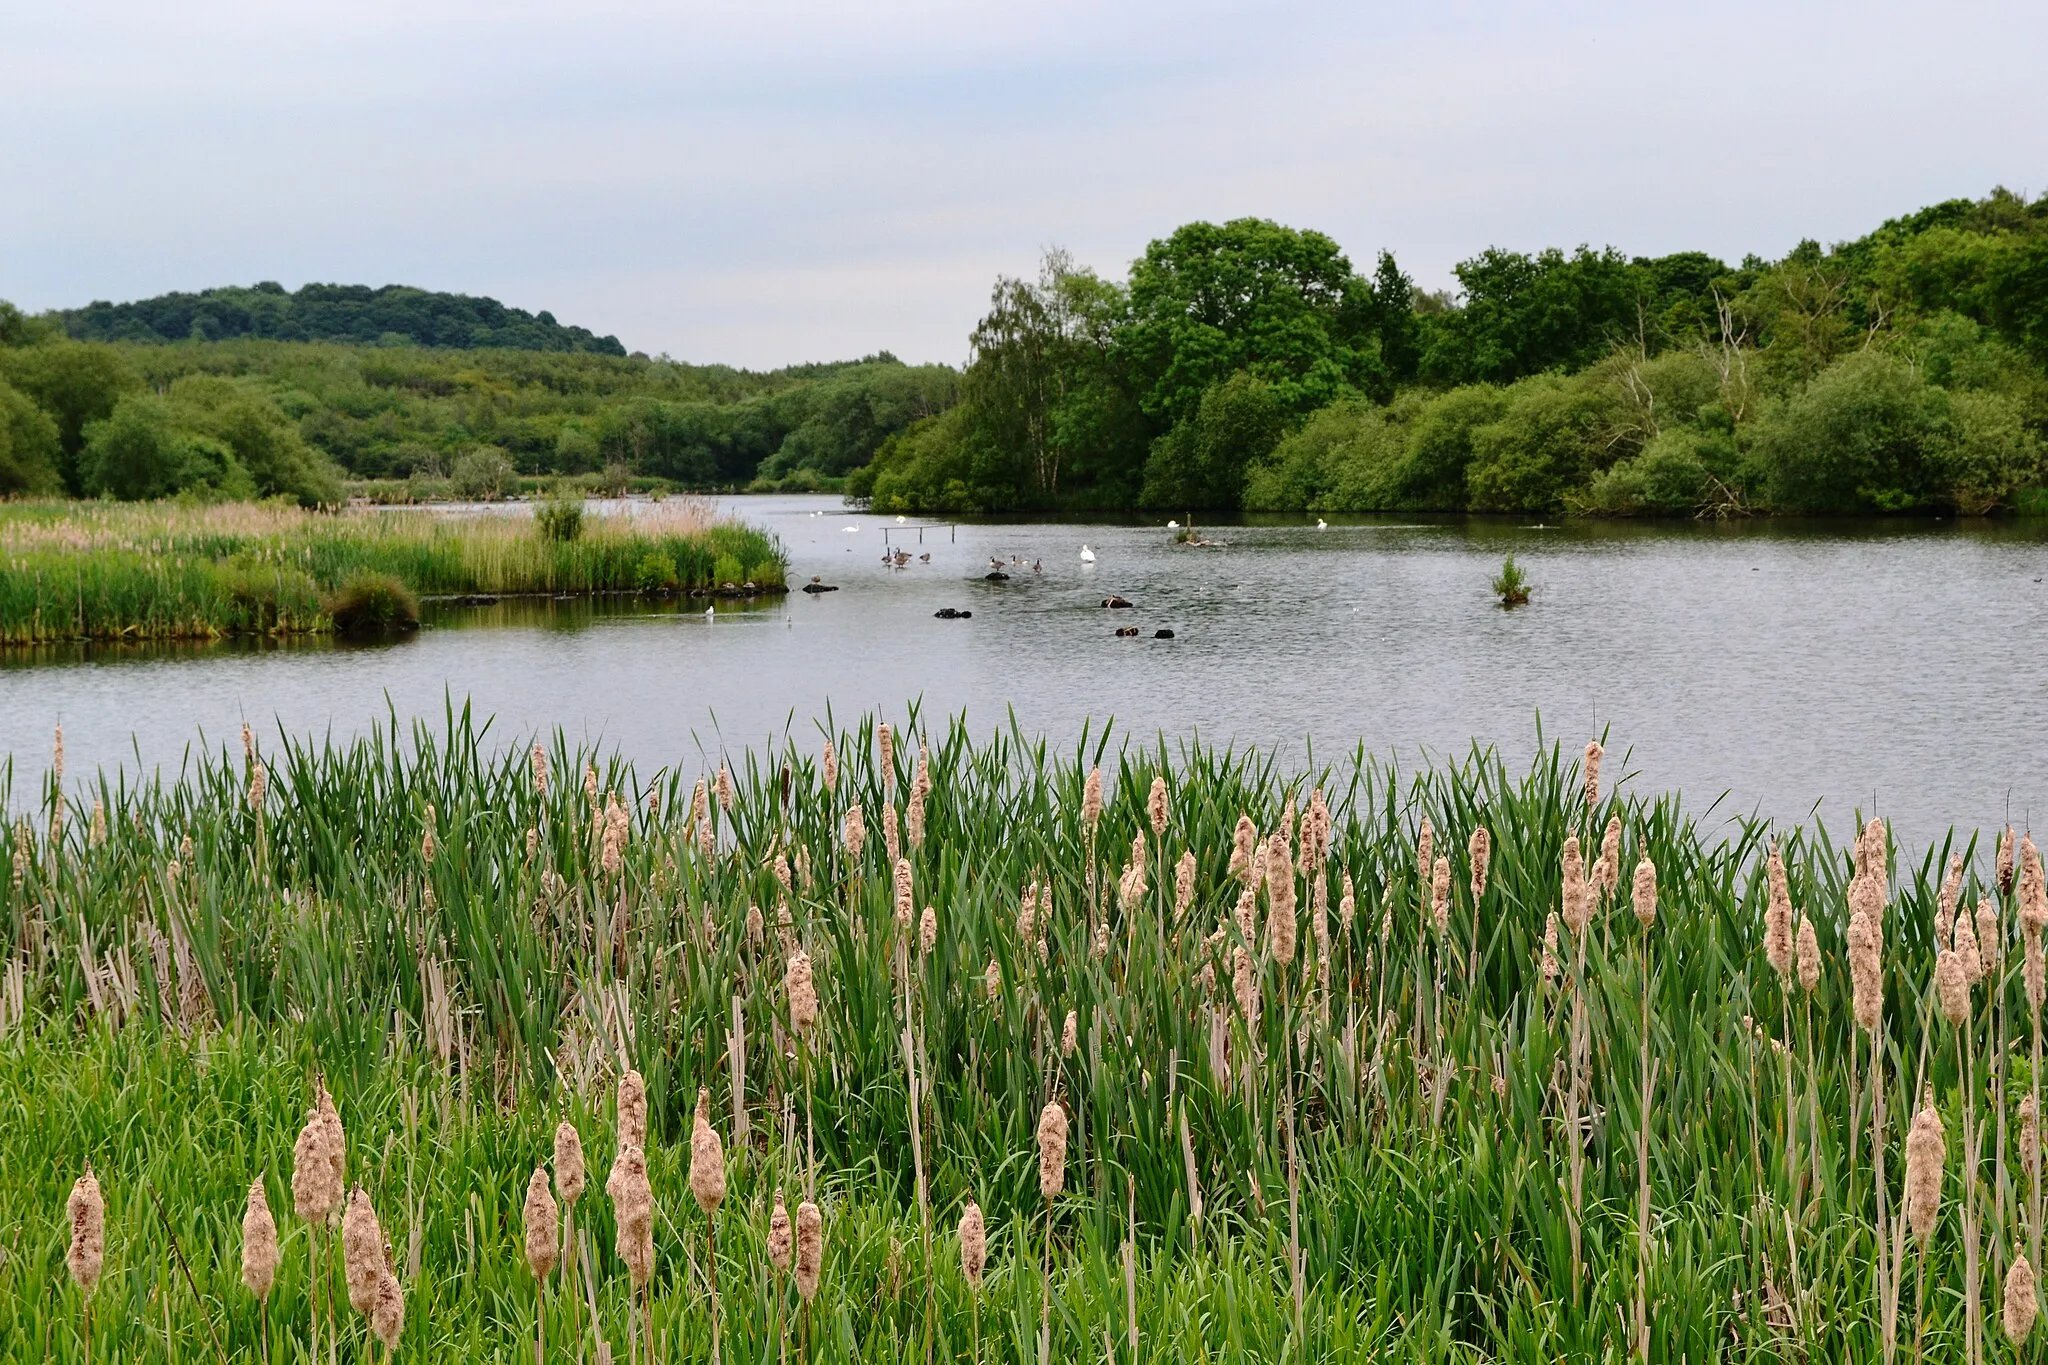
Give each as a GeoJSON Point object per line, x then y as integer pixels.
{"type": "Point", "coordinates": [902, 521]}
{"type": "Point", "coordinates": [711, 612]}
{"type": "Point", "coordinates": [1173, 526]}
{"type": "Point", "coordinates": [850, 530]}
{"type": "Point", "coordinates": [1087, 555]}
{"type": "Point", "coordinates": [1322, 525]}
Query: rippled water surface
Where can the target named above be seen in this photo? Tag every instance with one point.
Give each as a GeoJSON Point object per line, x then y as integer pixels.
{"type": "Point", "coordinates": [1901, 665]}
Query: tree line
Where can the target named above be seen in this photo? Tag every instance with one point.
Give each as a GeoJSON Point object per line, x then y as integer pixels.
{"type": "Point", "coordinates": [1250, 366]}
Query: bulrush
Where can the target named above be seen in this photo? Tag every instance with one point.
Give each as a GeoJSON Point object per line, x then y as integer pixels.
{"type": "Point", "coordinates": [1347, 907]}
{"type": "Point", "coordinates": [569, 1172]}
{"type": "Point", "coordinates": [1778, 918]}
{"type": "Point", "coordinates": [2033, 888]}
{"type": "Point", "coordinates": [1155, 807]}
{"type": "Point", "coordinates": [1440, 894]}
{"type": "Point", "coordinates": [1945, 902]}
{"type": "Point", "coordinates": [803, 995]}
{"type": "Point", "coordinates": [906, 901]}
{"type": "Point", "coordinates": [1027, 914]}
{"type": "Point", "coordinates": [1644, 892]}
{"type": "Point", "coordinates": [810, 1249]}
{"type": "Point", "coordinates": [828, 767]}
{"type": "Point", "coordinates": [1183, 885]}
{"type": "Point", "coordinates": [2004, 864]}
{"type": "Point", "coordinates": [1577, 896]}
{"type": "Point", "coordinates": [632, 1111]}
{"type": "Point", "coordinates": [538, 760]}
{"type": "Point", "coordinates": [259, 1243]}
{"type": "Point", "coordinates": [387, 1318]}
{"type": "Point", "coordinates": [87, 1209]}
{"type": "Point", "coordinates": [1966, 950]}
{"type": "Point", "coordinates": [1244, 842]}
{"type": "Point", "coordinates": [1132, 885]}
{"type": "Point", "coordinates": [727, 796]}
{"type": "Point", "coordinates": [362, 1251]}
{"type": "Point", "coordinates": [1052, 1150]}
{"type": "Point", "coordinates": [1425, 852]}
{"type": "Point", "coordinates": [1091, 801]}
{"type": "Point", "coordinates": [1245, 985]}
{"type": "Point", "coordinates": [1548, 962]}
{"type": "Point", "coordinates": [1990, 936]}
{"type": "Point", "coordinates": [2020, 1302]}
{"type": "Point", "coordinates": [928, 930]}
{"type": "Point", "coordinates": [1594, 753]}
{"type": "Point", "coordinates": [1926, 1154]}
{"type": "Point", "coordinates": [992, 981]}
{"type": "Point", "coordinates": [1866, 961]}
{"type": "Point", "coordinates": [316, 1177]}
{"type": "Point", "coordinates": [973, 1244]}
{"type": "Point", "coordinates": [428, 834]}
{"type": "Point", "coordinates": [707, 1157]}
{"type": "Point", "coordinates": [1610, 856]}
{"type": "Point", "coordinates": [542, 1226]}
{"type": "Point", "coordinates": [1281, 930]}
{"type": "Point", "coordinates": [1951, 986]}
{"type": "Point", "coordinates": [856, 831]}
{"type": "Point", "coordinates": [913, 817]}
{"type": "Point", "coordinates": [1479, 851]}
{"type": "Point", "coordinates": [633, 1212]}
{"type": "Point", "coordinates": [886, 739]}
{"type": "Point", "coordinates": [1806, 951]}
{"type": "Point", "coordinates": [1069, 1034]}
{"type": "Point", "coordinates": [892, 844]}
{"type": "Point", "coordinates": [779, 1239]}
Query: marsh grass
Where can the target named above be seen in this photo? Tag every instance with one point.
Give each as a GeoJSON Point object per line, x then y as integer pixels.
{"type": "Point", "coordinates": [89, 571]}
{"type": "Point", "coordinates": [460, 1007]}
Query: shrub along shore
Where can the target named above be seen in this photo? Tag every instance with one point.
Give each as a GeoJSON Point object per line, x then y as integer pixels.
{"type": "Point", "coordinates": [176, 571]}
{"type": "Point", "coordinates": [1205, 1058]}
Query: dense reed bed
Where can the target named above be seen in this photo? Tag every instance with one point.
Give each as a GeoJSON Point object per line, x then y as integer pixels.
{"type": "Point", "coordinates": [1229, 1061]}
{"type": "Point", "coordinates": [104, 571]}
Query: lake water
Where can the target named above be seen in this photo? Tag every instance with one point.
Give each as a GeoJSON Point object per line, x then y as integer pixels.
{"type": "Point", "coordinates": [1895, 667]}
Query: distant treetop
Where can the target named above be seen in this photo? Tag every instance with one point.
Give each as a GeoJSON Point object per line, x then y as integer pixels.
{"type": "Point", "coordinates": [394, 315]}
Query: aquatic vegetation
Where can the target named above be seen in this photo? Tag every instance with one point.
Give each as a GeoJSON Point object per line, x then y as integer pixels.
{"type": "Point", "coordinates": [94, 571]}
{"type": "Point", "coordinates": [1204, 1058]}
{"type": "Point", "coordinates": [1511, 585]}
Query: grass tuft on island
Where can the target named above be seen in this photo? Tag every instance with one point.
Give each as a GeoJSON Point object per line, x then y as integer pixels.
{"type": "Point", "coordinates": [183, 571]}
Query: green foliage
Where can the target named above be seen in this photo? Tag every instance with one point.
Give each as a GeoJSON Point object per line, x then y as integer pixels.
{"type": "Point", "coordinates": [728, 571]}
{"type": "Point", "coordinates": [370, 605]}
{"type": "Point", "coordinates": [394, 314]}
{"type": "Point", "coordinates": [1511, 585]}
{"type": "Point", "coordinates": [76, 385]}
{"type": "Point", "coordinates": [483, 472]}
{"type": "Point", "coordinates": [656, 573]}
{"type": "Point", "coordinates": [1201, 462]}
{"type": "Point", "coordinates": [559, 517]}
{"type": "Point", "coordinates": [29, 448]}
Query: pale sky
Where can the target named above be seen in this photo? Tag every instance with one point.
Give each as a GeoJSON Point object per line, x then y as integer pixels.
{"type": "Point", "coordinates": [786, 180]}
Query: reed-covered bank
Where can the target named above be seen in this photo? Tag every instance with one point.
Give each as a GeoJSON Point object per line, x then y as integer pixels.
{"type": "Point", "coordinates": [1355, 1061]}
{"type": "Point", "coordinates": [171, 571]}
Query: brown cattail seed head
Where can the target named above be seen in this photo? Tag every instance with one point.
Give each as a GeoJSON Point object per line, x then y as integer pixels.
{"type": "Point", "coordinates": [2005, 861]}
{"type": "Point", "coordinates": [1990, 935]}
{"type": "Point", "coordinates": [803, 995]}
{"type": "Point", "coordinates": [1281, 929]}
{"type": "Point", "coordinates": [779, 1237]}
{"type": "Point", "coordinates": [1645, 891]}
{"type": "Point", "coordinates": [387, 1319]}
{"type": "Point", "coordinates": [1183, 884]}
{"type": "Point", "coordinates": [88, 1212]}
{"type": "Point", "coordinates": [1347, 907]}
{"type": "Point", "coordinates": [1594, 753]}
{"type": "Point", "coordinates": [1951, 986]}
{"type": "Point", "coordinates": [1610, 856]}
{"type": "Point", "coordinates": [810, 1249]}
{"type": "Point", "coordinates": [992, 980]}
{"type": "Point", "coordinates": [928, 930]}
{"type": "Point", "coordinates": [428, 847]}
{"type": "Point", "coordinates": [569, 1173]}
{"type": "Point", "coordinates": [1945, 903]}
{"type": "Point", "coordinates": [1052, 1150]}
{"type": "Point", "coordinates": [856, 831]}
{"type": "Point", "coordinates": [2036, 970]}
{"type": "Point", "coordinates": [1866, 972]}
{"type": "Point", "coordinates": [1926, 1154]}
{"type": "Point", "coordinates": [1155, 807]}
{"type": "Point", "coordinates": [1778, 918]}
{"type": "Point", "coordinates": [2020, 1303]}
{"type": "Point", "coordinates": [1425, 851]}
{"type": "Point", "coordinates": [1479, 850]}
{"type": "Point", "coordinates": [906, 903]}
{"type": "Point", "coordinates": [707, 1157]}
{"type": "Point", "coordinates": [828, 767]}
{"type": "Point", "coordinates": [2033, 888]}
{"type": "Point", "coordinates": [543, 1230]}
{"type": "Point", "coordinates": [1806, 949]}
{"type": "Point", "coordinates": [886, 738]}
{"type": "Point", "coordinates": [1548, 962]}
{"type": "Point", "coordinates": [633, 1213]}
{"type": "Point", "coordinates": [1244, 842]}
{"type": "Point", "coordinates": [1069, 1034]}
{"type": "Point", "coordinates": [259, 1243]}
{"type": "Point", "coordinates": [1966, 950]}
{"type": "Point", "coordinates": [1578, 892]}
{"type": "Point", "coordinates": [973, 1244]}
{"type": "Point", "coordinates": [362, 1251]}
{"type": "Point", "coordinates": [1440, 894]}
{"type": "Point", "coordinates": [891, 843]}
{"type": "Point", "coordinates": [727, 796]}
{"type": "Point", "coordinates": [539, 761]}
{"type": "Point", "coordinates": [632, 1110]}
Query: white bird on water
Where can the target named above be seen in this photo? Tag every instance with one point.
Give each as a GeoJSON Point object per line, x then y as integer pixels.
{"type": "Point", "coordinates": [1322, 525]}
{"type": "Point", "coordinates": [902, 521]}
{"type": "Point", "coordinates": [1087, 555]}
{"type": "Point", "coordinates": [711, 612]}
{"type": "Point", "coordinates": [1173, 526]}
